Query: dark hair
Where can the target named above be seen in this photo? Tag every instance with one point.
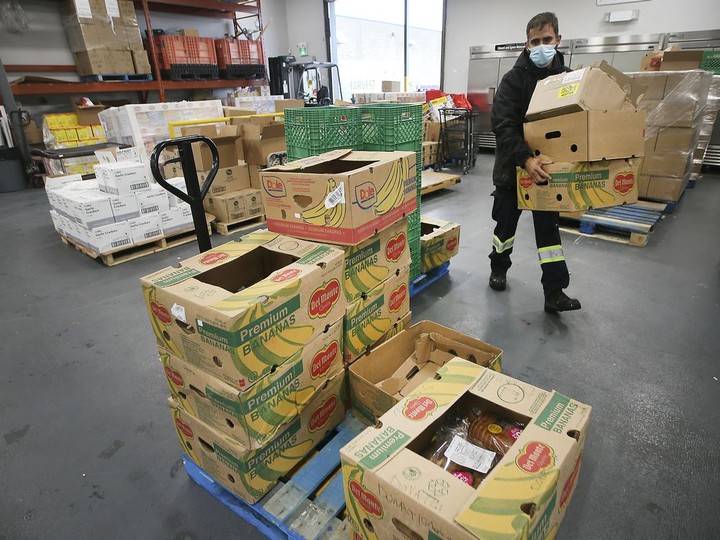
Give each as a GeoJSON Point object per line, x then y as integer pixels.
{"type": "Point", "coordinates": [540, 20]}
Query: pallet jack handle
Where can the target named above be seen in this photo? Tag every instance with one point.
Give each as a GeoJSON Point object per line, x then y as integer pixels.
{"type": "Point", "coordinates": [195, 193]}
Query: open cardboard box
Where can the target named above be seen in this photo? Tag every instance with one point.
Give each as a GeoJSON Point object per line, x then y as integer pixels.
{"type": "Point", "coordinates": [393, 490]}
{"type": "Point", "coordinates": [227, 139]}
{"type": "Point", "coordinates": [250, 474]}
{"type": "Point", "coordinates": [255, 414]}
{"type": "Point", "coordinates": [340, 197]}
{"type": "Point", "coordinates": [390, 371]}
{"type": "Point", "coordinates": [262, 136]}
{"type": "Point", "coordinates": [599, 87]}
{"type": "Point", "coordinates": [439, 241]}
{"type": "Point", "coordinates": [246, 306]}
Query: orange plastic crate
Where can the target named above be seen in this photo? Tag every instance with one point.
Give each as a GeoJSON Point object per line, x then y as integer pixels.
{"type": "Point", "coordinates": [172, 51]}
{"type": "Point", "coordinates": [228, 52]}
{"type": "Point", "coordinates": [201, 50]}
{"type": "Point", "coordinates": [251, 52]}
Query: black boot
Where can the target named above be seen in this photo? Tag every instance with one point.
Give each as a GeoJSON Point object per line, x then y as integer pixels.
{"type": "Point", "coordinates": [558, 301]}
{"type": "Point", "coordinates": [498, 281]}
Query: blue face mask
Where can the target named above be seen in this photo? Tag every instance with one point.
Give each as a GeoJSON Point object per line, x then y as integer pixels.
{"type": "Point", "coordinates": [542, 55]}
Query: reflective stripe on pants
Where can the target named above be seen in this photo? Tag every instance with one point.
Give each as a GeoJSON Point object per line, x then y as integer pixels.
{"type": "Point", "coordinates": [503, 246]}
{"type": "Point", "coordinates": [551, 254]}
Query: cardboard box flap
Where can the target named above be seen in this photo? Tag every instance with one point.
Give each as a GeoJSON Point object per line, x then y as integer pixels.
{"type": "Point", "coordinates": [634, 89]}
{"type": "Point", "coordinates": [312, 160]}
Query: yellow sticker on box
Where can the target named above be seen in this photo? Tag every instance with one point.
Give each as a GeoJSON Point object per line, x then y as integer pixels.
{"type": "Point", "coordinates": [568, 90]}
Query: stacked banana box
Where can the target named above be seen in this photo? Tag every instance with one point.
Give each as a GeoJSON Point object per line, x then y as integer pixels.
{"type": "Point", "coordinates": [357, 201]}
{"type": "Point", "coordinates": [250, 336]}
{"type": "Point", "coordinates": [440, 241]}
{"type": "Point", "coordinates": [587, 123]}
{"type": "Point", "coordinates": [676, 103]}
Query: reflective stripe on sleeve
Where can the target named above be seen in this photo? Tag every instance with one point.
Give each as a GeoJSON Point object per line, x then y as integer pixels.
{"type": "Point", "coordinates": [503, 246]}
{"type": "Point", "coordinates": [551, 254]}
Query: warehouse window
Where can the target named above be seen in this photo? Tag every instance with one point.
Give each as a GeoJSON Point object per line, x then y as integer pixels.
{"type": "Point", "coordinates": [368, 43]}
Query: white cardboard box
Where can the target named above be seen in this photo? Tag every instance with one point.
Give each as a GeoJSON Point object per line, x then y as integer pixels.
{"type": "Point", "coordinates": [91, 209]}
{"type": "Point", "coordinates": [146, 228]}
{"type": "Point", "coordinates": [109, 237]}
{"type": "Point", "coordinates": [124, 207]}
{"type": "Point", "coordinates": [123, 178]}
{"type": "Point", "coordinates": [57, 221]}
{"type": "Point", "coordinates": [179, 183]}
{"type": "Point", "coordinates": [176, 220]}
{"type": "Point", "coordinates": [152, 200]}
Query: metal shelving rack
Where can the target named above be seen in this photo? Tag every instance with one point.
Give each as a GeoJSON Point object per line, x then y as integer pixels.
{"type": "Point", "coordinates": [236, 11]}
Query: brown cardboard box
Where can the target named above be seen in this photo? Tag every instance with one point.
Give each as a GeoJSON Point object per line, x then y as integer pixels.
{"type": "Point", "coordinates": [282, 104]}
{"type": "Point", "coordinates": [648, 105]}
{"type": "Point", "coordinates": [588, 135]}
{"type": "Point", "coordinates": [250, 474]}
{"type": "Point", "coordinates": [207, 309]}
{"type": "Point", "coordinates": [98, 13]}
{"type": "Point", "coordinates": [580, 186]}
{"type": "Point", "coordinates": [133, 39]}
{"type": "Point", "coordinates": [674, 113]}
{"type": "Point", "coordinates": [228, 207]}
{"type": "Point", "coordinates": [127, 13]}
{"type": "Point", "coordinates": [430, 153]}
{"type": "Point", "coordinates": [254, 173]}
{"type": "Point", "coordinates": [95, 62]}
{"type": "Point", "coordinates": [253, 415]}
{"type": "Point", "coordinates": [88, 116]}
{"type": "Point", "coordinates": [113, 38]}
{"type": "Point", "coordinates": [666, 189]}
{"type": "Point", "coordinates": [390, 86]}
{"type": "Point", "coordinates": [33, 134]}
{"type": "Point", "coordinates": [393, 490]}
{"type": "Point", "coordinates": [439, 242]}
{"type": "Point", "coordinates": [261, 137]}
{"type": "Point", "coordinates": [650, 143]}
{"type": "Point", "coordinates": [596, 87]}
{"type": "Point", "coordinates": [643, 184]}
{"type": "Point", "coordinates": [431, 131]}
{"type": "Point", "coordinates": [371, 318]}
{"type": "Point", "coordinates": [668, 164]}
{"type": "Point", "coordinates": [228, 179]}
{"type": "Point", "coordinates": [655, 85]}
{"type": "Point", "coordinates": [651, 61]}
{"type": "Point", "coordinates": [122, 62]}
{"type": "Point", "coordinates": [141, 62]}
{"type": "Point", "coordinates": [237, 111]}
{"type": "Point", "coordinates": [379, 379]}
{"type": "Point", "coordinates": [340, 197]}
{"type": "Point", "coordinates": [190, 32]}
{"type": "Point", "coordinates": [672, 82]}
{"type": "Point", "coordinates": [226, 139]}
{"type": "Point", "coordinates": [253, 202]}
{"type": "Point", "coordinates": [673, 139]}
{"type": "Point", "coordinates": [83, 37]}
{"type": "Point", "coordinates": [681, 60]}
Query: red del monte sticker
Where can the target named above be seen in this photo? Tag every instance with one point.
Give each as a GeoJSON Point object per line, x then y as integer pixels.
{"type": "Point", "coordinates": [624, 182]}
{"type": "Point", "coordinates": [397, 297]}
{"type": "Point", "coordinates": [451, 244]}
{"type": "Point", "coordinates": [419, 408]}
{"type": "Point", "coordinates": [367, 500]}
{"type": "Point", "coordinates": [322, 414]}
{"type": "Point", "coordinates": [324, 298]}
{"type": "Point", "coordinates": [286, 275]}
{"type": "Point", "coordinates": [525, 181]}
{"type": "Point", "coordinates": [160, 312]}
{"type": "Point", "coordinates": [323, 360]}
{"type": "Point", "coordinates": [535, 457]}
{"type": "Point", "coordinates": [214, 257]}
{"type": "Point", "coordinates": [174, 376]}
{"type": "Point", "coordinates": [395, 247]}
{"type": "Point", "coordinates": [184, 428]}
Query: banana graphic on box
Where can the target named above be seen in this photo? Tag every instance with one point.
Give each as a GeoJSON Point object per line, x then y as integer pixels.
{"type": "Point", "coordinates": [392, 192]}
{"type": "Point", "coordinates": [320, 214]}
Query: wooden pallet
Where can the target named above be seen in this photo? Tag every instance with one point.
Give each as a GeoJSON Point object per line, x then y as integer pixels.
{"type": "Point", "coordinates": [119, 77]}
{"type": "Point", "coordinates": [135, 252]}
{"type": "Point", "coordinates": [226, 229]}
{"type": "Point", "coordinates": [630, 224]}
{"type": "Point", "coordinates": [435, 181]}
{"type": "Point", "coordinates": [306, 505]}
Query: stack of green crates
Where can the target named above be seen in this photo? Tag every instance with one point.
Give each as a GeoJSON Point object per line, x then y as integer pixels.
{"type": "Point", "coordinates": [313, 130]}
{"type": "Point", "coordinates": [387, 127]}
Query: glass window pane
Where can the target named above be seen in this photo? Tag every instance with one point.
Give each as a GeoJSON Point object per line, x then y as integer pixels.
{"type": "Point", "coordinates": [425, 18]}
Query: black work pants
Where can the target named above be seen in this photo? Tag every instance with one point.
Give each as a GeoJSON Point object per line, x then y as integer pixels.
{"type": "Point", "coordinates": [506, 214]}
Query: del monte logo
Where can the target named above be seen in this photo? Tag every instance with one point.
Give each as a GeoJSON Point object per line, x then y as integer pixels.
{"type": "Point", "coordinates": [174, 376]}
{"type": "Point", "coordinates": [367, 500]}
{"type": "Point", "coordinates": [397, 297]}
{"type": "Point", "coordinates": [286, 275]}
{"type": "Point", "coordinates": [624, 182]}
{"type": "Point", "coordinates": [184, 428]}
{"type": "Point", "coordinates": [161, 312]}
{"type": "Point", "coordinates": [214, 257]}
{"type": "Point", "coordinates": [451, 244]}
{"type": "Point", "coordinates": [321, 416]}
{"type": "Point", "coordinates": [535, 457]}
{"type": "Point", "coordinates": [525, 180]}
{"type": "Point", "coordinates": [395, 247]}
{"type": "Point", "coordinates": [323, 360]}
{"type": "Point", "coordinates": [324, 298]}
{"type": "Point", "coordinates": [419, 408]}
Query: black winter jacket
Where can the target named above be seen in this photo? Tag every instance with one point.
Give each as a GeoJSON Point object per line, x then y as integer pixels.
{"type": "Point", "coordinates": [508, 114]}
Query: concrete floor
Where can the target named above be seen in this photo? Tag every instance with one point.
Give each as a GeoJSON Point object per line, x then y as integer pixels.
{"type": "Point", "coordinates": [88, 449]}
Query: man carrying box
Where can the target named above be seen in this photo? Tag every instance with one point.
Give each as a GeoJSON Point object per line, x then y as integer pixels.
{"type": "Point", "coordinates": [537, 61]}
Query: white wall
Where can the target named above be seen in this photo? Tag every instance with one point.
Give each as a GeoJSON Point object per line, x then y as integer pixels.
{"type": "Point", "coordinates": [306, 23]}
{"type": "Point", "coordinates": [488, 22]}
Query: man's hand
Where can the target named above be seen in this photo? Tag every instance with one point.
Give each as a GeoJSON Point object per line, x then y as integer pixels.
{"type": "Point", "coordinates": [533, 166]}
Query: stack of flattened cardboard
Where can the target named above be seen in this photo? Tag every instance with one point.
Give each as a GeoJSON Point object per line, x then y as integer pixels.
{"type": "Point", "coordinates": [675, 103]}
{"type": "Point", "coordinates": [358, 201]}
{"type": "Point", "coordinates": [250, 339]}
{"type": "Point", "coordinates": [104, 37]}
{"type": "Point", "coordinates": [587, 123]}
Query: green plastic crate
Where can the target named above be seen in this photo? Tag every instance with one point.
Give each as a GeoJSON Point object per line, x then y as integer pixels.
{"type": "Point", "coordinates": [388, 126]}
{"type": "Point", "coordinates": [314, 130]}
{"type": "Point", "coordinates": [711, 61]}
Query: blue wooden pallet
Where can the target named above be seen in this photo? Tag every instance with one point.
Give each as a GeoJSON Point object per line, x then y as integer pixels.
{"type": "Point", "coordinates": [306, 506]}
{"type": "Point", "coordinates": [630, 224]}
{"type": "Point", "coordinates": [119, 77]}
{"type": "Point", "coordinates": [423, 281]}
